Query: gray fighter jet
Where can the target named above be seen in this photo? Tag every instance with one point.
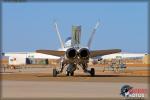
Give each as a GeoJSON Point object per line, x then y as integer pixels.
{"type": "Point", "coordinates": [72, 54]}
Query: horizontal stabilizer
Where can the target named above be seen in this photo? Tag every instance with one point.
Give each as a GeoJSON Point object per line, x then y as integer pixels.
{"type": "Point", "coordinates": [52, 52]}
{"type": "Point", "coordinates": [95, 53]}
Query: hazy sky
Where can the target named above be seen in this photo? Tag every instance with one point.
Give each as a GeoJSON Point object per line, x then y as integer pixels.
{"type": "Point", "coordinates": [29, 26]}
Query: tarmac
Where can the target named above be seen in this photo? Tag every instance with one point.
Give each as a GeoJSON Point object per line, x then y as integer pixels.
{"type": "Point", "coordinates": [63, 89]}
{"type": "Point", "coordinates": [38, 83]}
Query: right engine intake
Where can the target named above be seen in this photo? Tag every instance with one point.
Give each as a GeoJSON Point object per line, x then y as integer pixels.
{"type": "Point", "coordinates": [71, 53]}
{"type": "Point", "coordinates": [84, 53]}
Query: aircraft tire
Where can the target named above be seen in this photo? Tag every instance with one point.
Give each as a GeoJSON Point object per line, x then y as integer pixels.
{"type": "Point", "coordinates": [72, 73]}
{"type": "Point", "coordinates": [92, 72]}
{"type": "Point", "coordinates": [67, 73]}
{"type": "Point", "coordinates": [54, 72]}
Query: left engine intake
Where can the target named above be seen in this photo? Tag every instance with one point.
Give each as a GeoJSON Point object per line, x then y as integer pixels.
{"type": "Point", "coordinates": [71, 53]}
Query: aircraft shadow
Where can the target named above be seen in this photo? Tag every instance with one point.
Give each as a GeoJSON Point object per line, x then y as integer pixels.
{"type": "Point", "coordinates": [82, 76]}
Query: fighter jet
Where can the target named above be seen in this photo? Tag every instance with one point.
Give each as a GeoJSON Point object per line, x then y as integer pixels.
{"type": "Point", "coordinates": [73, 55]}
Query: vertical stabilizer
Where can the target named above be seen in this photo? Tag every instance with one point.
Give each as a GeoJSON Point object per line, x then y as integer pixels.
{"type": "Point", "coordinates": [76, 36]}
{"type": "Point", "coordinates": [58, 33]}
{"type": "Point", "coordinates": [92, 34]}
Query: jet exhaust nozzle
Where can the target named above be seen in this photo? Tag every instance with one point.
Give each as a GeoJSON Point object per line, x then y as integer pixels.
{"type": "Point", "coordinates": [84, 53]}
{"type": "Point", "coordinates": [71, 53]}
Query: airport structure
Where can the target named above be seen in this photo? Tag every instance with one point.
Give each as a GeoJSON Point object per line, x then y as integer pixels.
{"type": "Point", "coordinates": [22, 58]}
{"type": "Point", "coordinates": [130, 58]}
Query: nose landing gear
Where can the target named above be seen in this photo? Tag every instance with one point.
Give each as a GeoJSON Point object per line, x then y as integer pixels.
{"type": "Point", "coordinates": [69, 73]}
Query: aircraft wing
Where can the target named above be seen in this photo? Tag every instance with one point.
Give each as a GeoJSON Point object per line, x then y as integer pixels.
{"type": "Point", "coordinates": [52, 52]}
{"type": "Point", "coordinates": [95, 53]}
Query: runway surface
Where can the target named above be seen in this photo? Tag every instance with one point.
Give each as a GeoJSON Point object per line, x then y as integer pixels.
{"type": "Point", "coordinates": [53, 89]}
{"type": "Point", "coordinates": [65, 87]}
{"type": "Point", "coordinates": [38, 83]}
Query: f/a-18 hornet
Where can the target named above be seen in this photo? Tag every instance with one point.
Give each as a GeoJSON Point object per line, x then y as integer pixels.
{"type": "Point", "coordinates": [72, 54]}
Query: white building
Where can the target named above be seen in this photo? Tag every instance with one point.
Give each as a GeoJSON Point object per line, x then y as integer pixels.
{"type": "Point", "coordinates": [19, 58]}
{"type": "Point", "coordinates": [124, 55]}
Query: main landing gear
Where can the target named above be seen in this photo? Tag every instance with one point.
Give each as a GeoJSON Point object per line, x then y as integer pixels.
{"type": "Point", "coordinates": [92, 72]}
{"type": "Point", "coordinates": [55, 72]}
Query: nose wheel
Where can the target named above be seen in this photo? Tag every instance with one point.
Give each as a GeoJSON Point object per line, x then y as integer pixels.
{"type": "Point", "coordinates": [69, 73]}
{"type": "Point", "coordinates": [92, 72]}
